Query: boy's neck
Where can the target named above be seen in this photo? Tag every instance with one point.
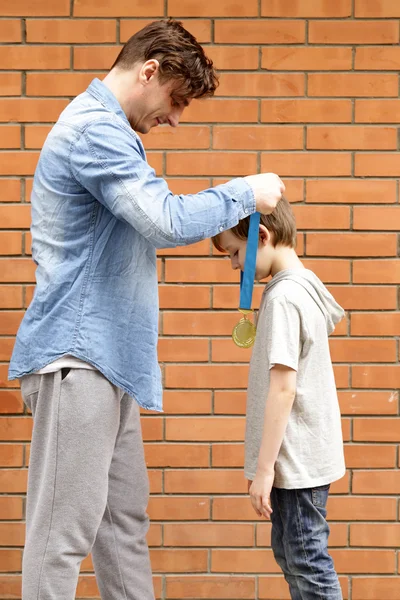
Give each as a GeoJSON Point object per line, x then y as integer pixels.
{"type": "Point", "coordinates": [285, 258]}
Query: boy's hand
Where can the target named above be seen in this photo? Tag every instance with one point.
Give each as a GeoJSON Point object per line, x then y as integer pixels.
{"type": "Point", "coordinates": [268, 189]}
{"type": "Point", "coordinates": [260, 490]}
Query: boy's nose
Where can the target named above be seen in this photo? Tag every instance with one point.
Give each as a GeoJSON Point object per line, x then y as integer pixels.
{"type": "Point", "coordinates": [235, 263]}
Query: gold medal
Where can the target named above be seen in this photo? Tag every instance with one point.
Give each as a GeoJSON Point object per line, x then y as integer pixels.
{"type": "Point", "coordinates": [244, 332]}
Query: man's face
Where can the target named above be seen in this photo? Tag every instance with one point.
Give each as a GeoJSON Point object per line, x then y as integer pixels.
{"type": "Point", "coordinates": [157, 107]}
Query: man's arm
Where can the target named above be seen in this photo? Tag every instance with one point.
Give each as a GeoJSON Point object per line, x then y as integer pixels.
{"type": "Point", "coordinates": [281, 394]}
{"type": "Point", "coordinates": [109, 162]}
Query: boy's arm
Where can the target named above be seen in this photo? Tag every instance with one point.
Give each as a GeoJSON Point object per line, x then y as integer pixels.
{"type": "Point", "coordinates": [281, 394]}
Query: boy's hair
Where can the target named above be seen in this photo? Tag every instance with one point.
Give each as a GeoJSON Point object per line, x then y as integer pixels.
{"type": "Point", "coordinates": [281, 223]}
{"type": "Point", "coordinates": [180, 56]}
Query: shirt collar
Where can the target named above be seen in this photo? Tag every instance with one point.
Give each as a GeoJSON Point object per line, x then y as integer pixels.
{"type": "Point", "coordinates": [104, 95]}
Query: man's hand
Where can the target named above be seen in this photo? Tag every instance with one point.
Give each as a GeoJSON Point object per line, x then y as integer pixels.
{"type": "Point", "coordinates": [260, 490]}
{"type": "Point", "coordinates": [268, 189]}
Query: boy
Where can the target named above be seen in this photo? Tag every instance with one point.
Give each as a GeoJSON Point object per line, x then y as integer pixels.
{"type": "Point", "coordinates": [294, 447]}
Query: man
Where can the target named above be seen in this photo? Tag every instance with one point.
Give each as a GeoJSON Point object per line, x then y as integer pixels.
{"type": "Point", "coordinates": [87, 344]}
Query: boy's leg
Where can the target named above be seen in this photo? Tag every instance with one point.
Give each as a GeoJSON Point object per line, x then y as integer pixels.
{"type": "Point", "coordinates": [76, 422]}
{"type": "Point", "coordinates": [278, 547]}
{"type": "Point", "coordinates": [305, 539]}
{"type": "Point", "coordinates": [120, 553]}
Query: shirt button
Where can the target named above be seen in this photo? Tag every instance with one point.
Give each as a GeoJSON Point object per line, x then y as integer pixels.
{"type": "Point", "coordinates": [221, 228]}
{"type": "Point", "coordinates": [246, 210]}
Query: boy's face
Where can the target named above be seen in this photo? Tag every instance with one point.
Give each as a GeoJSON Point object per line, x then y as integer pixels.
{"type": "Point", "coordinates": [237, 251]}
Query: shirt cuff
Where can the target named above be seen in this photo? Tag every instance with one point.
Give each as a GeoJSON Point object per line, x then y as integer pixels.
{"type": "Point", "coordinates": [243, 194]}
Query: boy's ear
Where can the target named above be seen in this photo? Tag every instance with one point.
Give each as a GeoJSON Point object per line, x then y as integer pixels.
{"type": "Point", "coordinates": [264, 235]}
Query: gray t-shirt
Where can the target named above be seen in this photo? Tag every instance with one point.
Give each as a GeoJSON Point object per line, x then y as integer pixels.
{"type": "Point", "coordinates": [297, 313]}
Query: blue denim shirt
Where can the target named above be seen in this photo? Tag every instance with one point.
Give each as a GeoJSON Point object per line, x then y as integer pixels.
{"type": "Point", "coordinates": [98, 215]}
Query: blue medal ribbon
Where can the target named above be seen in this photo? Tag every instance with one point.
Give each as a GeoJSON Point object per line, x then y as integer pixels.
{"type": "Point", "coordinates": [247, 276]}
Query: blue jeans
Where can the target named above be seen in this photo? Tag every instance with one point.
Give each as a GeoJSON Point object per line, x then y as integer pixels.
{"type": "Point", "coordinates": [300, 543]}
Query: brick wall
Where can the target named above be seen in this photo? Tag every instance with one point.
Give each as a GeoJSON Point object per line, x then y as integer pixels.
{"type": "Point", "coordinates": [309, 89]}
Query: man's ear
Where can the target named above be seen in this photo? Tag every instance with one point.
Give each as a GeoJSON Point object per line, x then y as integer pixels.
{"type": "Point", "coordinates": [149, 70]}
{"type": "Point", "coordinates": [264, 235]}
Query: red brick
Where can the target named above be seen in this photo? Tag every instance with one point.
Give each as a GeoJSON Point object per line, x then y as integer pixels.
{"type": "Point", "coordinates": [234, 58]}
{"type": "Point", "coordinates": [213, 481]}
{"type": "Point", "coordinates": [368, 403]}
{"type": "Point", "coordinates": [34, 57]}
{"type": "Point", "coordinates": [370, 534]}
{"type": "Point", "coordinates": [369, 457]}
{"type": "Point", "coordinates": [209, 8]}
{"type": "Point", "coordinates": [349, 138]}
{"type": "Point", "coordinates": [58, 84]}
{"type": "Point", "coordinates": [11, 508]}
{"type": "Point", "coordinates": [204, 429]}
{"type": "Point", "coordinates": [306, 58]}
{"type": "Point", "coordinates": [376, 8]}
{"type": "Point", "coordinates": [351, 191]}
{"type": "Point", "coordinates": [10, 136]}
{"type": "Point", "coordinates": [223, 350]}
{"type": "Point", "coordinates": [306, 111]}
{"type": "Point", "coordinates": [377, 58]}
{"type": "Point", "coordinates": [351, 244]}
{"type": "Point", "coordinates": [10, 190]}
{"type": "Point", "coordinates": [377, 111]}
{"type": "Point", "coordinates": [10, 242]}
{"type": "Point", "coordinates": [355, 508]}
{"type": "Point", "coordinates": [364, 561]}
{"type": "Point", "coordinates": [375, 324]}
{"type": "Point", "coordinates": [184, 296]}
{"type": "Point", "coordinates": [180, 185]}
{"type": "Point", "coordinates": [203, 377]}
{"type": "Point", "coordinates": [10, 560]}
{"type": "Point", "coordinates": [10, 321]}
{"type": "Point", "coordinates": [261, 84]}
{"type": "Point", "coordinates": [305, 8]}
{"type": "Point", "coordinates": [221, 111]}
{"type": "Point", "coordinates": [24, 109]}
{"type": "Point", "coordinates": [374, 218]}
{"type": "Point", "coordinates": [229, 403]}
{"type": "Point", "coordinates": [15, 217]}
{"type": "Point", "coordinates": [177, 455]}
{"type": "Point", "coordinates": [258, 137]}
{"type": "Point", "coordinates": [4, 383]}
{"type": "Point", "coordinates": [207, 586]}
{"type": "Point", "coordinates": [239, 561]}
{"type": "Point", "coordinates": [211, 163]}
{"type": "Point", "coordinates": [11, 455]}
{"type": "Point", "coordinates": [377, 271]}
{"type": "Point", "coordinates": [78, 31]}
{"type": "Point", "coordinates": [185, 402]}
{"type": "Point", "coordinates": [178, 561]}
{"type": "Point", "coordinates": [183, 350]}
{"type": "Point", "coordinates": [365, 298]}
{"type": "Point", "coordinates": [13, 482]}
{"type": "Point", "coordinates": [379, 165]}
{"type": "Point", "coordinates": [228, 508]}
{"type": "Point", "coordinates": [11, 402]}
{"type": "Point", "coordinates": [170, 508]}
{"type": "Point", "coordinates": [200, 271]}
{"type": "Point", "coordinates": [322, 217]}
{"type": "Point", "coordinates": [352, 84]}
{"type": "Point", "coordinates": [376, 482]}
{"type": "Point", "coordinates": [10, 84]}
{"type": "Point", "coordinates": [353, 32]}
{"type": "Point", "coordinates": [18, 163]}
{"type": "Point", "coordinates": [371, 430]}
{"type": "Point", "coordinates": [314, 164]}
{"type": "Point", "coordinates": [198, 323]}
{"type": "Point", "coordinates": [227, 455]}
{"type": "Point", "coordinates": [353, 351]}
{"type": "Point", "coordinates": [184, 137]}
{"type": "Point", "coordinates": [10, 30]}
{"type": "Point", "coordinates": [200, 28]}
{"type": "Point", "coordinates": [208, 534]}
{"type": "Point", "coordinates": [119, 8]}
{"type": "Point", "coordinates": [375, 588]}
{"type": "Point", "coordinates": [25, 8]}
{"type": "Point", "coordinates": [259, 32]}
{"type": "Point", "coordinates": [95, 57]}
{"type": "Point", "coordinates": [198, 249]}
{"type": "Point", "coordinates": [152, 428]}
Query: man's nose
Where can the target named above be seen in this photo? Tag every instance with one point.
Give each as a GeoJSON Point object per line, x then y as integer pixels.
{"type": "Point", "coordinates": [174, 117]}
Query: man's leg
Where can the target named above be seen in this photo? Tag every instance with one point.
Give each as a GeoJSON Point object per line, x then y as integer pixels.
{"type": "Point", "coordinates": [120, 553]}
{"type": "Point", "coordinates": [305, 539]}
{"type": "Point", "coordinates": [76, 422]}
{"type": "Point", "coordinates": [278, 541]}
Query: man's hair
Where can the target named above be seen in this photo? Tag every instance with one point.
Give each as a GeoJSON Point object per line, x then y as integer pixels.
{"type": "Point", "coordinates": [281, 223]}
{"type": "Point", "coordinates": [180, 56]}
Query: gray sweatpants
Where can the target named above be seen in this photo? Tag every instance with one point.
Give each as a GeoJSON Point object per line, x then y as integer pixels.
{"type": "Point", "coordinates": [87, 489]}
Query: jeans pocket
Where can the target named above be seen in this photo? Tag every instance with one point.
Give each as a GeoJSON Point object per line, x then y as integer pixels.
{"type": "Point", "coordinates": [319, 495]}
